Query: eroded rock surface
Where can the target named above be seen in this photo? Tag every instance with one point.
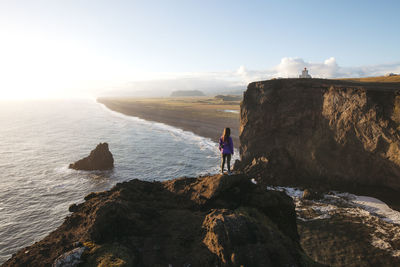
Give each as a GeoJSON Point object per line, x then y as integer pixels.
{"type": "Point", "coordinates": [99, 159]}
{"type": "Point", "coordinates": [70, 259]}
{"type": "Point", "coordinates": [207, 221]}
{"type": "Point", "coordinates": [321, 132]}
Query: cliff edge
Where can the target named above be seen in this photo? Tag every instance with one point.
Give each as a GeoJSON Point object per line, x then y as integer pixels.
{"type": "Point", "coordinates": [322, 132]}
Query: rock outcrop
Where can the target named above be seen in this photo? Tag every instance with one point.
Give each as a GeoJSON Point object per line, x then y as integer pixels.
{"type": "Point", "coordinates": [99, 159]}
{"type": "Point", "coordinates": [70, 259]}
{"type": "Point", "coordinates": [207, 221]}
{"type": "Point", "coordinates": [321, 132]}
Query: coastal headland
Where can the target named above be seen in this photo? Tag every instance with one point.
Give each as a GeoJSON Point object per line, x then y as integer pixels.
{"type": "Point", "coordinates": [323, 133]}
{"type": "Point", "coordinates": [315, 134]}
{"type": "Point", "coordinates": [204, 116]}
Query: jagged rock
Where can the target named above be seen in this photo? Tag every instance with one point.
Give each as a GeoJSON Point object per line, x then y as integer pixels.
{"type": "Point", "coordinates": [321, 132]}
{"type": "Point", "coordinates": [209, 221]}
{"type": "Point", "coordinates": [239, 241]}
{"type": "Point", "coordinates": [73, 208]}
{"type": "Point", "coordinates": [70, 259]}
{"type": "Point", "coordinates": [99, 159]}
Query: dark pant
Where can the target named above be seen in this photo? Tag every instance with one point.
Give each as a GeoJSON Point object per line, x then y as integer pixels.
{"type": "Point", "coordinates": [227, 158]}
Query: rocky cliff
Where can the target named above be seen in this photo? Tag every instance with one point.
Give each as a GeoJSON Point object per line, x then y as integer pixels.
{"type": "Point", "coordinates": [317, 131]}
{"type": "Point", "coordinates": [206, 221]}
{"type": "Point", "coordinates": [99, 158]}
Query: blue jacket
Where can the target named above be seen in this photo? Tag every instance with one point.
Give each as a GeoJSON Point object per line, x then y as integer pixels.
{"type": "Point", "coordinates": [226, 147]}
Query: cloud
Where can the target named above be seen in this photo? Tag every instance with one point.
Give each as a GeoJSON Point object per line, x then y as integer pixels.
{"type": "Point", "coordinates": [291, 68]}
{"type": "Point", "coordinates": [237, 80]}
{"type": "Point", "coordinates": [209, 83]}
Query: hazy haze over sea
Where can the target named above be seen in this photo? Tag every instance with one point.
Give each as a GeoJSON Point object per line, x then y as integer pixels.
{"type": "Point", "coordinates": [40, 138]}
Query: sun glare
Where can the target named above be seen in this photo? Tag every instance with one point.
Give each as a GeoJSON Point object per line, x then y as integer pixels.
{"type": "Point", "coordinates": [34, 66]}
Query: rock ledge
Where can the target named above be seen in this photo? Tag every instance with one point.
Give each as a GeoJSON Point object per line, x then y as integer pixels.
{"type": "Point", "coordinates": [206, 221]}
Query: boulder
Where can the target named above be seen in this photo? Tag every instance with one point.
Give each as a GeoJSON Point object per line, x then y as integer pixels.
{"type": "Point", "coordinates": [70, 259]}
{"type": "Point", "coordinates": [73, 208]}
{"type": "Point", "coordinates": [237, 240]}
{"type": "Point", "coordinates": [99, 159]}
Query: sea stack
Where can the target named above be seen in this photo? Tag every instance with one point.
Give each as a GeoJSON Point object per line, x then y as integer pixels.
{"type": "Point", "coordinates": [99, 159]}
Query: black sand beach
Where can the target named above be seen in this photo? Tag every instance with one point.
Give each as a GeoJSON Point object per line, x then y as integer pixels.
{"type": "Point", "coordinates": [203, 116]}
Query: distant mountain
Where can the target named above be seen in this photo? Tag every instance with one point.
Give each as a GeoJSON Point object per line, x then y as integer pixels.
{"type": "Point", "coordinates": [187, 93]}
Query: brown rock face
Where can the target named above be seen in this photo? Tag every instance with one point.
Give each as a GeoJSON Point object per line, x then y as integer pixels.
{"type": "Point", "coordinates": [208, 221]}
{"type": "Point", "coordinates": [315, 131]}
{"type": "Point", "coordinates": [99, 159]}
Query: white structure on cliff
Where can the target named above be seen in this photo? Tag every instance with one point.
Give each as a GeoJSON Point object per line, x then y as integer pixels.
{"type": "Point", "coordinates": [304, 74]}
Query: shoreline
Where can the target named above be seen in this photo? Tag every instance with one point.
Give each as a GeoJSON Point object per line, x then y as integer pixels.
{"type": "Point", "coordinates": [390, 197]}
{"type": "Point", "coordinates": [318, 229]}
{"type": "Point", "coordinates": [203, 120]}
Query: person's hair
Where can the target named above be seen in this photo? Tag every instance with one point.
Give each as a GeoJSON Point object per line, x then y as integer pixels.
{"type": "Point", "coordinates": [226, 134]}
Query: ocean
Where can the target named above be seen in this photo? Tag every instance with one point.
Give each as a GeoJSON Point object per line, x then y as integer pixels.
{"type": "Point", "coordinates": [40, 138]}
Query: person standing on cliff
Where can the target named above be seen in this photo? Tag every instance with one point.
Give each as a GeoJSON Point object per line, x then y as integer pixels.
{"type": "Point", "coordinates": [226, 148]}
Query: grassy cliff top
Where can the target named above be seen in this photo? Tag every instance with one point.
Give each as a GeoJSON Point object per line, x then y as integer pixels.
{"type": "Point", "coordinates": [379, 79]}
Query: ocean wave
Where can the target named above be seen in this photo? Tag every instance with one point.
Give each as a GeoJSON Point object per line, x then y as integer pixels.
{"type": "Point", "coordinates": [39, 145]}
{"type": "Point", "coordinates": [370, 206]}
{"type": "Point", "coordinates": [382, 222]}
{"type": "Point", "coordinates": [203, 143]}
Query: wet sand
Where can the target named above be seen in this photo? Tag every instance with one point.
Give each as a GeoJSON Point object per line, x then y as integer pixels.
{"type": "Point", "coordinates": [204, 116]}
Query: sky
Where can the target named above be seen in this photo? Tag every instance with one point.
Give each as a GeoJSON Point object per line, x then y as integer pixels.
{"type": "Point", "coordinates": [69, 48]}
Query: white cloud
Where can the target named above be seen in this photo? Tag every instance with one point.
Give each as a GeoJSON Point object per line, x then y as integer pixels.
{"type": "Point", "coordinates": [216, 82]}
{"type": "Point", "coordinates": [241, 70]}
{"type": "Point", "coordinates": [291, 68]}
{"type": "Point", "coordinates": [70, 70]}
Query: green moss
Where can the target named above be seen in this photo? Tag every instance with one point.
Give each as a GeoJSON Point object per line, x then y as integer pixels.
{"type": "Point", "coordinates": [107, 255]}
